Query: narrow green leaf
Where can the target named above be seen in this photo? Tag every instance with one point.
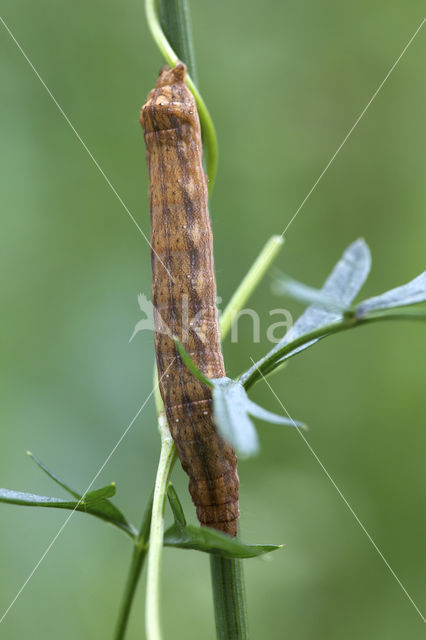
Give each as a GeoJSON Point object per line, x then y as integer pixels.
{"type": "Point", "coordinates": [34, 500]}
{"type": "Point", "coordinates": [414, 292]}
{"type": "Point", "coordinates": [231, 416]}
{"type": "Point", "coordinates": [261, 413]}
{"type": "Point", "coordinates": [187, 360]}
{"type": "Point", "coordinates": [51, 475]}
{"type": "Point", "coordinates": [343, 284]}
{"type": "Point", "coordinates": [284, 285]}
{"type": "Point", "coordinates": [249, 283]}
{"type": "Point", "coordinates": [212, 541]}
{"type": "Point", "coordinates": [98, 495]}
{"type": "Point", "coordinates": [186, 536]}
{"type": "Point", "coordinates": [175, 20]}
{"type": "Point", "coordinates": [95, 503]}
{"type": "Point", "coordinates": [232, 407]}
{"type": "Point", "coordinates": [176, 506]}
{"type": "Point", "coordinates": [105, 510]}
{"type": "Point", "coordinates": [207, 128]}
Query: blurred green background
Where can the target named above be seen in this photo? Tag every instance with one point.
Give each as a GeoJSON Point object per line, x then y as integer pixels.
{"type": "Point", "coordinates": [284, 83]}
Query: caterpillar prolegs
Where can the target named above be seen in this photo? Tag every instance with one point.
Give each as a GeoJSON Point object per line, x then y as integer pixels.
{"type": "Point", "coordinates": [184, 296]}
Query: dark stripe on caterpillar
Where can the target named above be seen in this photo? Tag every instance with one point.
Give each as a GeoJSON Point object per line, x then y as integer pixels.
{"type": "Point", "coordinates": [181, 235]}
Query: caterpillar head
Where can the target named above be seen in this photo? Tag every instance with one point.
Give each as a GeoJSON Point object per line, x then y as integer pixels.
{"type": "Point", "coordinates": [170, 104]}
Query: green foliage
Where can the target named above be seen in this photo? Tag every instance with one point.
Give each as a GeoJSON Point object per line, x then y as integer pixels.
{"type": "Point", "coordinates": [33, 500]}
{"type": "Point", "coordinates": [341, 286]}
{"type": "Point", "coordinates": [175, 19]}
{"type": "Point", "coordinates": [96, 502]}
{"type": "Point", "coordinates": [232, 408]}
{"type": "Point", "coordinates": [414, 292]}
{"type": "Point", "coordinates": [186, 536]}
{"type": "Point", "coordinates": [331, 309]}
{"type": "Point", "coordinates": [53, 476]}
{"type": "Point", "coordinates": [171, 57]}
{"type": "Point", "coordinates": [285, 285]}
{"type": "Point", "coordinates": [328, 314]}
{"type": "Point", "coordinates": [187, 360]}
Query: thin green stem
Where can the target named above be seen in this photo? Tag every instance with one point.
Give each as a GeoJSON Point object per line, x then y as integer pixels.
{"type": "Point", "coordinates": [229, 598]}
{"type": "Point", "coordinates": [168, 456]}
{"type": "Point", "coordinates": [175, 20]}
{"type": "Point", "coordinates": [269, 362]}
{"type": "Point", "coordinates": [250, 281]}
{"type": "Point", "coordinates": [165, 466]}
{"type": "Point", "coordinates": [275, 358]}
{"type": "Point", "coordinates": [139, 553]}
{"type": "Point", "coordinates": [171, 57]}
{"type": "Point", "coordinates": [228, 582]}
{"type": "Point", "coordinates": [227, 574]}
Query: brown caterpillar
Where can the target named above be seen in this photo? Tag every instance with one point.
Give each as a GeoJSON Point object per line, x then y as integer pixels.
{"type": "Point", "coordinates": [184, 295]}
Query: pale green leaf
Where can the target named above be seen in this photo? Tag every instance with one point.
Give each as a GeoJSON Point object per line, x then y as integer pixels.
{"type": "Point", "coordinates": [414, 292]}
{"type": "Point", "coordinates": [342, 285]}
{"type": "Point", "coordinates": [184, 536]}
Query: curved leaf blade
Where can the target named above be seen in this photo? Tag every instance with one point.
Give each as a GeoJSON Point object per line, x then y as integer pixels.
{"type": "Point", "coordinates": [176, 506]}
{"type": "Point", "coordinates": [231, 416]}
{"type": "Point", "coordinates": [186, 536]}
{"type": "Point", "coordinates": [263, 414]}
{"type": "Point", "coordinates": [232, 408]}
{"type": "Point", "coordinates": [34, 500]}
{"type": "Point", "coordinates": [53, 476]}
{"type": "Point", "coordinates": [287, 286]}
{"type": "Point", "coordinates": [95, 503]}
{"type": "Point", "coordinates": [414, 292]}
{"type": "Point", "coordinates": [212, 541]}
{"type": "Point", "coordinates": [187, 360]}
{"type": "Point", "coordinates": [342, 285]}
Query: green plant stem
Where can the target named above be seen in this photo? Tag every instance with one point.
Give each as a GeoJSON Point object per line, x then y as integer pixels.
{"type": "Point", "coordinates": [175, 20]}
{"type": "Point", "coordinates": [139, 553]}
{"type": "Point", "coordinates": [229, 598]}
{"type": "Point", "coordinates": [168, 456]}
{"type": "Point", "coordinates": [178, 31]}
{"type": "Point", "coordinates": [270, 362]}
{"type": "Point", "coordinates": [250, 281]}
{"type": "Point", "coordinates": [170, 56]}
{"type": "Point", "coordinates": [227, 574]}
{"type": "Point", "coordinates": [165, 466]}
